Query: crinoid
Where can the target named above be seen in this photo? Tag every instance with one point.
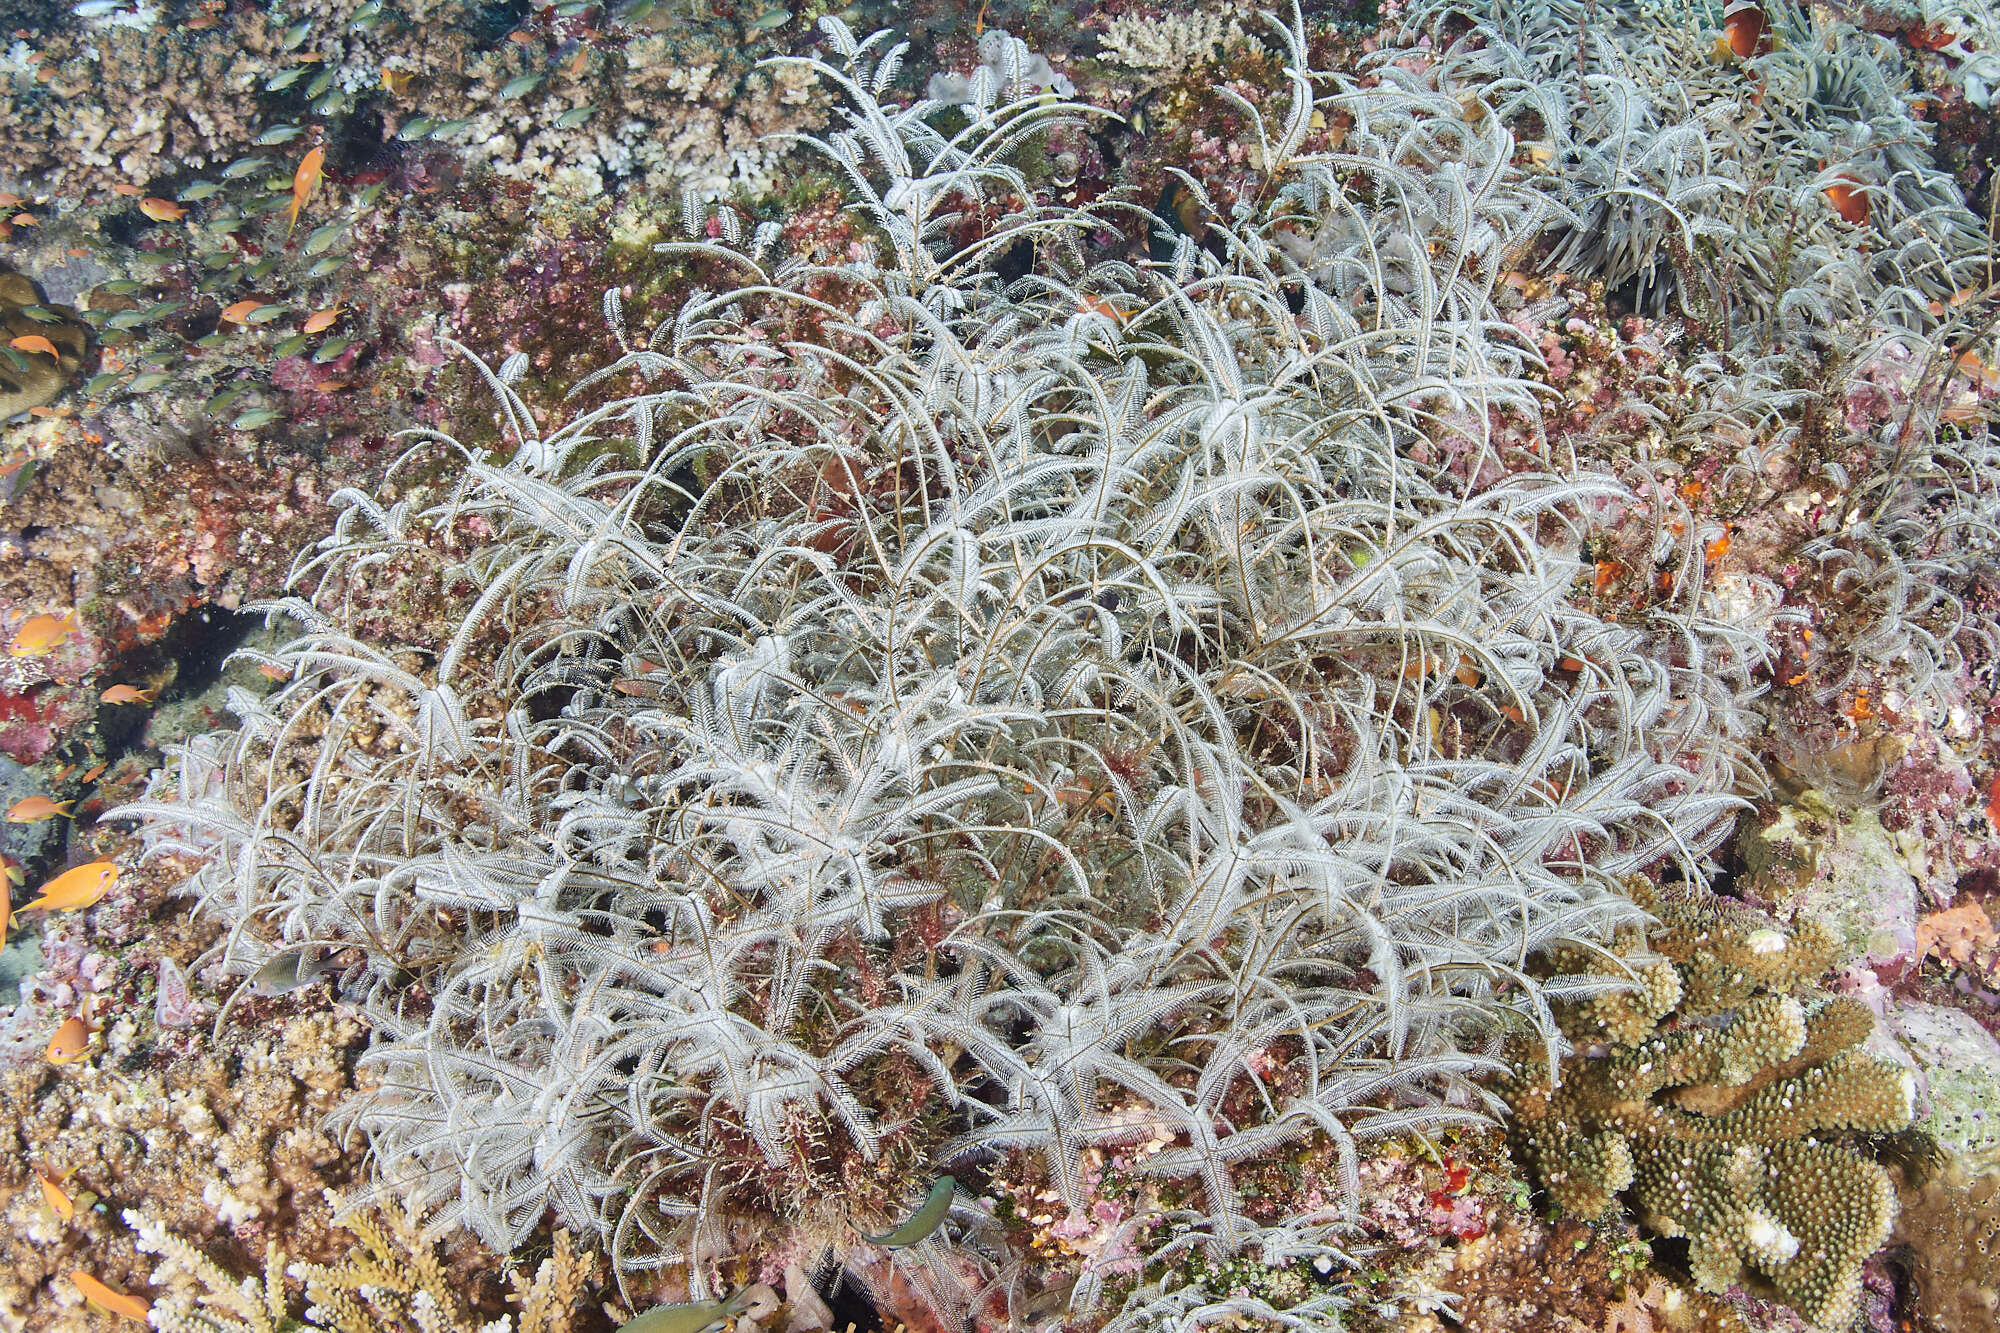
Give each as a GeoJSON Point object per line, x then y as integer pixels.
{"type": "Point", "coordinates": [924, 718]}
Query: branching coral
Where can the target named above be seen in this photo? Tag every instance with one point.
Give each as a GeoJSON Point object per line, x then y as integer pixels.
{"type": "Point", "coordinates": [925, 711]}
{"type": "Point", "coordinates": [393, 1279]}
{"type": "Point", "coordinates": [1717, 1103]}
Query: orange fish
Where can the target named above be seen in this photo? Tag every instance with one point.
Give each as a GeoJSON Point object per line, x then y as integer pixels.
{"type": "Point", "coordinates": [1929, 36]}
{"type": "Point", "coordinates": [35, 809]}
{"type": "Point", "coordinates": [43, 634]}
{"type": "Point", "coordinates": [1746, 30]}
{"type": "Point", "coordinates": [8, 199]}
{"type": "Point", "coordinates": [162, 210]}
{"type": "Point", "coordinates": [321, 320]}
{"type": "Point", "coordinates": [129, 191]}
{"type": "Point", "coordinates": [33, 342]}
{"type": "Point", "coordinates": [94, 772]}
{"type": "Point", "coordinates": [1097, 305]}
{"type": "Point", "coordinates": [24, 220]}
{"type": "Point", "coordinates": [52, 1193]}
{"type": "Point", "coordinates": [71, 1042]}
{"type": "Point", "coordinates": [1848, 200]}
{"type": "Point", "coordinates": [240, 310]}
{"type": "Point", "coordinates": [76, 889]}
{"type": "Point", "coordinates": [117, 1302]}
{"type": "Point", "coordinates": [396, 81]}
{"type": "Point", "coordinates": [304, 181]}
{"type": "Point", "coordinates": [129, 694]}
{"type": "Point", "coordinates": [329, 386]}
{"type": "Point", "coordinates": [1970, 365]}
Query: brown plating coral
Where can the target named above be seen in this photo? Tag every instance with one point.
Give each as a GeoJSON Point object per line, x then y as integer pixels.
{"type": "Point", "coordinates": [1723, 1119]}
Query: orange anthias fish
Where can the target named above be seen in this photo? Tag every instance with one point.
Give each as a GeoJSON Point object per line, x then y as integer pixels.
{"type": "Point", "coordinates": [34, 809]}
{"type": "Point", "coordinates": [76, 889]}
{"type": "Point", "coordinates": [322, 320]}
{"type": "Point", "coordinates": [43, 634]}
{"type": "Point", "coordinates": [304, 181]}
{"type": "Point", "coordinates": [1848, 200]}
{"type": "Point", "coordinates": [117, 1302]}
{"type": "Point", "coordinates": [1746, 30]}
{"type": "Point", "coordinates": [33, 342]}
{"type": "Point", "coordinates": [52, 1193]}
{"type": "Point", "coordinates": [238, 311]}
{"type": "Point", "coordinates": [129, 694]}
{"type": "Point", "coordinates": [162, 210]}
{"type": "Point", "coordinates": [71, 1042]}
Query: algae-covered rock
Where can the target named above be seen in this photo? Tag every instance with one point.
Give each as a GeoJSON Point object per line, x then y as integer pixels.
{"type": "Point", "coordinates": [29, 377]}
{"type": "Point", "coordinates": [1958, 1069]}
{"type": "Point", "coordinates": [1842, 869]}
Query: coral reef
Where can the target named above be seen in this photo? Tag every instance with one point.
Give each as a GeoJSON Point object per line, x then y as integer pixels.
{"type": "Point", "coordinates": [222, 1143]}
{"type": "Point", "coordinates": [925, 710]}
{"type": "Point", "coordinates": [1132, 711]}
{"type": "Point", "coordinates": [31, 377]}
{"type": "Point", "coordinates": [1948, 1236]}
{"type": "Point", "coordinates": [1719, 1100]}
{"type": "Point", "coordinates": [393, 1278]}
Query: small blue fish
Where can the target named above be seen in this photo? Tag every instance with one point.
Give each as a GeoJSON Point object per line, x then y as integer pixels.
{"type": "Point", "coordinates": [930, 1215]}
{"type": "Point", "coordinates": [323, 237]}
{"type": "Point", "coordinates": [689, 1316]}
{"type": "Point", "coordinates": [293, 969]}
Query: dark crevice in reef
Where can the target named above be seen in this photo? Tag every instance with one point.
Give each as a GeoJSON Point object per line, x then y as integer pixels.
{"type": "Point", "coordinates": [201, 641]}
{"type": "Point", "coordinates": [850, 1305]}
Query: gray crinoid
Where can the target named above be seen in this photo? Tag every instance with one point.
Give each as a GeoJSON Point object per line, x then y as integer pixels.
{"type": "Point", "coordinates": [1787, 203]}
{"type": "Point", "coordinates": [923, 718]}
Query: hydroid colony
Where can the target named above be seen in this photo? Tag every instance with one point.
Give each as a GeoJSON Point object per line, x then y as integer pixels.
{"type": "Point", "coordinates": [929, 717]}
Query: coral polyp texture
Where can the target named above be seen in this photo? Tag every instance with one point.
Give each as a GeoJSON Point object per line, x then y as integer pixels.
{"type": "Point", "coordinates": [928, 717]}
{"type": "Point", "coordinates": [1717, 1092]}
